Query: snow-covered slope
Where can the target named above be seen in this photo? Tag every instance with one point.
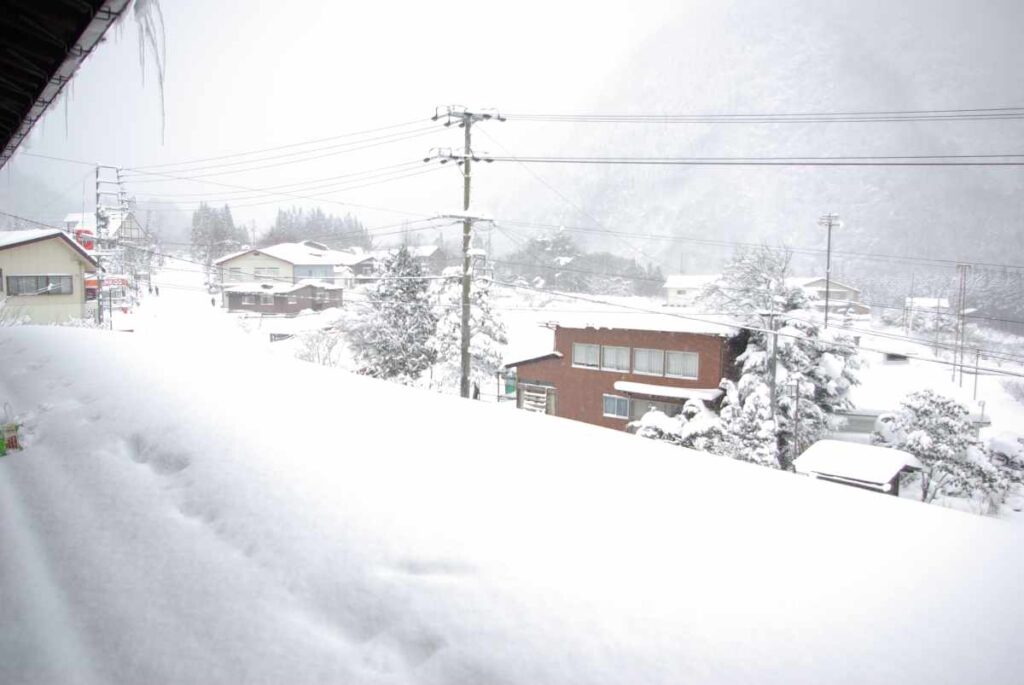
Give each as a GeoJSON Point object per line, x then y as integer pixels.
{"type": "Point", "coordinates": [182, 514]}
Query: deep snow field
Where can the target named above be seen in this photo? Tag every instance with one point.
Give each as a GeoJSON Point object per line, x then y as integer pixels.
{"type": "Point", "coordinates": [188, 508]}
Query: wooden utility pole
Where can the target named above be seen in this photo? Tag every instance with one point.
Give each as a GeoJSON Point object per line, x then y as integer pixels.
{"type": "Point", "coordinates": [828, 221]}
{"type": "Point", "coordinates": [464, 118]}
{"type": "Point", "coordinates": [961, 323]}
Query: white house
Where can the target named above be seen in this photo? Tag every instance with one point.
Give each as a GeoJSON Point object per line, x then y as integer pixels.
{"type": "Point", "coordinates": [683, 289]}
{"type": "Point", "coordinates": [841, 297]}
{"type": "Point", "coordinates": [42, 276]}
{"type": "Point", "coordinates": [289, 263]}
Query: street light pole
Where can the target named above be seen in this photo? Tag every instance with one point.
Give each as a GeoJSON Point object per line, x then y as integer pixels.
{"type": "Point", "coordinates": [828, 221]}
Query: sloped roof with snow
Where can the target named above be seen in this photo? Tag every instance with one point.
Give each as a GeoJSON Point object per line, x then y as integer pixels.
{"type": "Point", "coordinates": [10, 239]}
{"type": "Point", "coordinates": [301, 254]}
{"type": "Point", "coordinates": [855, 461]}
{"type": "Point", "coordinates": [204, 525]}
{"type": "Point", "coordinates": [807, 281]}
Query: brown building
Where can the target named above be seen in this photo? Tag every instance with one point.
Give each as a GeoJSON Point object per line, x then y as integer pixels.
{"type": "Point", "coordinates": [281, 298]}
{"type": "Point", "coordinates": [610, 376]}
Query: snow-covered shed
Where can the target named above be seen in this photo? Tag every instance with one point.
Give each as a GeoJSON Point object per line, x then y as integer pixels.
{"type": "Point", "coordinates": [856, 464]}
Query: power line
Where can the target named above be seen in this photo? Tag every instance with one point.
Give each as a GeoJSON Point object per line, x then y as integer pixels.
{"type": "Point", "coordinates": [296, 184]}
{"type": "Point", "coordinates": [334, 151]}
{"type": "Point", "coordinates": [281, 147]}
{"type": "Point", "coordinates": [241, 202]}
{"type": "Point", "coordinates": [838, 161]}
{"type": "Point", "coordinates": [962, 114]}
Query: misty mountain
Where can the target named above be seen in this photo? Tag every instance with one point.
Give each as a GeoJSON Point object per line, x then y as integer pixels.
{"type": "Point", "coordinates": [810, 56]}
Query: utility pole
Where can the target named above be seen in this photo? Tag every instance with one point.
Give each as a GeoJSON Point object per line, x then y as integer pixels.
{"type": "Point", "coordinates": [977, 363]}
{"type": "Point", "coordinates": [908, 309]}
{"type": "Point", "coordinates": [99, 267]}
{"type": "Point", "coordinates": [102, 219]}
{"type": "Point", "coordinates": [465, 119]}
{"type": "Point", "coordinates": [961, 322]}
{"type": "Point", "coordinates": [828, 221]}
{"type": "Point", "coordinates": [796, 423]}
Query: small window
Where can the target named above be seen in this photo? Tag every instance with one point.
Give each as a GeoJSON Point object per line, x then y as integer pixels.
{"type": "Point", "coordinates": [615, 358]}
{"type": "Point", "coordinates": [586, 355]}
{"type": "Point", "coordinates": [293, 299]}
{"type": "Point", "coordinates": [248, 299]}
{"type": "Point", "coordinates": [649, 362]}
{"type": "Point", "coordinates": [266, 298]}
{"type": "Point", "coordinates": [616, 407]}
{"type": "Point", "coordinates": [681, 364]}
{"type": "Point", "coordinates": [235, 273]}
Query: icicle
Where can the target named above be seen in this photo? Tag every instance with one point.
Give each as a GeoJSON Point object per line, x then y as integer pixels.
{"type": "Point", "coordinates": [150, 21]}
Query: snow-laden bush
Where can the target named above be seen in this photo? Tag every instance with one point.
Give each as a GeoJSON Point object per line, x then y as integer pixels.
{"type": "Point", "coordinates": [937, 431]}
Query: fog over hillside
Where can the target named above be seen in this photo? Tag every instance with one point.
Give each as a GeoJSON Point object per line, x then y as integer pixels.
{"type": "Point", "coordinates": [809, 56]}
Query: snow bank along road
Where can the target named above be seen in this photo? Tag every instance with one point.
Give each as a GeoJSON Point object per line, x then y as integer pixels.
{"type": "Point", "coordinates": [187, 513]}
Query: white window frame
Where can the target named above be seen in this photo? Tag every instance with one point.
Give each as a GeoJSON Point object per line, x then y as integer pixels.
{"type": "Point", "coordinates": [605, 413]}
{"type": "Point", "coordinates": [248, 298]}
{"type": "Point", "coordinates": [672, 375]}
{"type": "Point", "coordinates": [605, 367]}
{"type": "Point", "coordinates": [293, 298]}
{"type": "Point", "coordinates": [636, 367]}
{"type": "Point", "coordinates": [267, 299]}
{"type": "Point", "coordinates": [234, 273]}
{"type": "Point", "coordinates": [584, 365]}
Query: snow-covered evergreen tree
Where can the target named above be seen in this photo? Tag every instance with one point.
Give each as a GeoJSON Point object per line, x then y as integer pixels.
{"type": "Point", "coordinates": [394, 336]}
{"type": "Point", "coordinates": [748, 427]}
{"type": "Point", "coordinates": [487, 331]}
{"type": "Point", "coordinates": [936, 430]}
{"type": "Point", "coordinates": [754, 289]}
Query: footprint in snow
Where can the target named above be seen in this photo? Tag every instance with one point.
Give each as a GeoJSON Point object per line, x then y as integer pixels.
{"type": "Point", "coordinates": [163, 460]}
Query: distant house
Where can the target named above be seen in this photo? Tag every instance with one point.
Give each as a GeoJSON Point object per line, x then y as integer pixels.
{"type": "Point", "coordinates": [683, 289]}
{"type": "Point", "coordinates": [842, 298]}
{"type": "Point", "coordinates": [42, 275]}
{"type": "Point", "coordinates": [864, 466]}
{"type": "Point", "coordinates": [83, 228]}
{"type": "Point", "coordinates": [430, 258]}
{"type": "Point", "coordinates": [288, 263]}
{"type": "Point", "coordinates": [281, 298]}
{"type": "Point", "coordinates": [611, 372]}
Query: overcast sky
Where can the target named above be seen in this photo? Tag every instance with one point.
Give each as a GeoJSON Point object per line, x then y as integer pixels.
{"type": "Point", "coordinates": [242, 76]}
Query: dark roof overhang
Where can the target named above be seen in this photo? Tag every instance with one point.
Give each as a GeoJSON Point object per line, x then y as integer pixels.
{"type": "Point", "coordinates": [42, 45]}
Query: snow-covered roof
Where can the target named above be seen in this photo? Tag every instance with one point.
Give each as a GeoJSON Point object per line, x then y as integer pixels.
{"type": "Point", "coordinates": [807, 281]}
{"type": "Point", "coordinates": [690, 281]}
{"type": "Point", "coordinates": [416, 251]}
{"type": "Point", "coordinates": [926, 302]}
{"type": "Point", "coordinates": [854, 461]}
{"type": "Point", "coordinates": [80, 220]}
{"type": "Point", "coordinates": [218, 539]}
{"type": "Point", "coordinates": [652, 390]}
{"type": "Point", "coordinates": [9, 239]}
{"type": "Point", "coordinates": [668, 321]}
{"type": "Point", "coordinates": [302, 254]}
